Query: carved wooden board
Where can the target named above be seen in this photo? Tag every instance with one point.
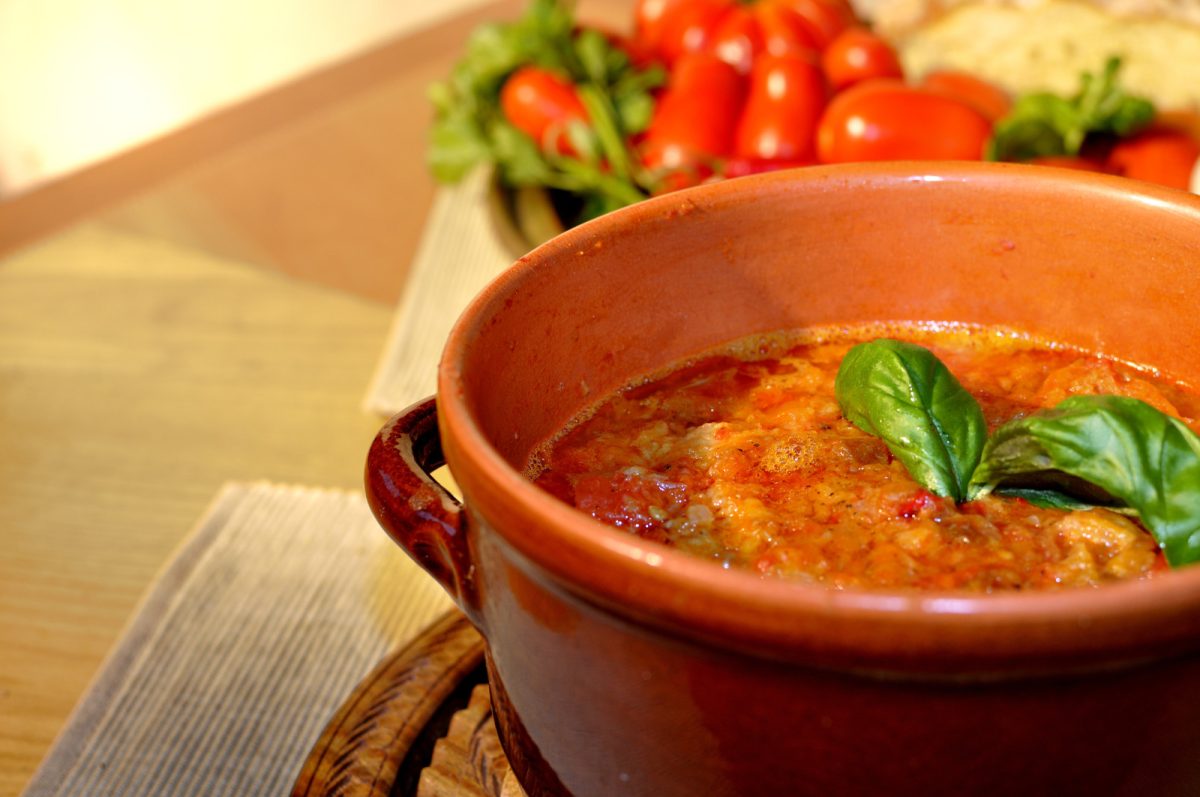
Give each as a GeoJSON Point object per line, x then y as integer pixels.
{"type": "Point", "coordinates": [420, 725]}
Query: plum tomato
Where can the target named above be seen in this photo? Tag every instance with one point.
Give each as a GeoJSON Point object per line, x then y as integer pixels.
{"type": "Point", "coordinates": [768, 26]}
{"type": "Point", "coordinates": [1166, 157]}
{"type": "Point", "coordinates": [887, 120]}
{"type": "Point", "coordinates": [649, 20]}
{"type": "Point", "coordinates": [689, 27]}
{"type": "Point", "coordinates": [737, 39]}
{"type": "Point", "coordinates": [541, 104]}
{"type": "Point", "coordinates": [856, 55]}
{"type": "Point", "coordinates": [827, 17]}
{"type": "Point", "coordinates": [784, 30]}
{"type": "Point", "coordinates": [696, 116]}
{"type": "Point", "coordinates": [787, 95]}
{"type": "Point", "coordinates": [991, 101]}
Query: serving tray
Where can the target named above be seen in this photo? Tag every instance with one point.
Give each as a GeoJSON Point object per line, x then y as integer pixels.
{"type": "Point", "coordinates": [420, 725]}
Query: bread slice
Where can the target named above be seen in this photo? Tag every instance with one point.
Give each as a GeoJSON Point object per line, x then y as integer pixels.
{"type": "Point", "coordinates": [1026, 45]}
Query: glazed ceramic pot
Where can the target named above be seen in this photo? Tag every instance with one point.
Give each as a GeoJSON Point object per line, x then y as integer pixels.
{"type": "Point", "coordinates": [619, 667]}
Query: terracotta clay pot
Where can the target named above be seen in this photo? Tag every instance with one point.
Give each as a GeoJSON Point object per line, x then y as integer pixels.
{"type": "Point", "coordinates": [622, 667]}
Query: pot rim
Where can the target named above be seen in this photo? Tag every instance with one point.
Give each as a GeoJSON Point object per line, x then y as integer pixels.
{"type": "Point", "coordinates": [656, 585]}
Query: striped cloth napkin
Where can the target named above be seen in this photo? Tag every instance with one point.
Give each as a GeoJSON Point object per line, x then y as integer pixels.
{"type": "Point", "coordinates": [279, 603]}
{"type": "Point", "coordinates": [460, 252]}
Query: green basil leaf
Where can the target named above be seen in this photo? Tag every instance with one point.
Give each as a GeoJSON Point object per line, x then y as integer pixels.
{"type": "Point", "coordinates": [1105, 449]}
{"type": "Point", "coordinates": [518, 156]}
{"type": "Point", "coordinates": [1045, 498]}
{"type": "Point", "coordinates": [902, 393]}
{"type": "Point", "coordinates": [456, 147]}
{"type": "Point", "coordinates": [1043, 124]}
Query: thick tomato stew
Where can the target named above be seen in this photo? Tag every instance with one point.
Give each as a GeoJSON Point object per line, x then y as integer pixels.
{"type": "Point", "coordinates": [746, 459]}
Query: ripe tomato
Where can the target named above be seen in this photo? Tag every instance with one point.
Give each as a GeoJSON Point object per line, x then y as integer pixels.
{"type": "Point", "coordinates": [695, 118]}
{"type": "Point", "coordinates": [689, 27]}
{"type": "Point", "coordinates": [887, 120]}
{"type": "Point", "coordinates": [828, 17]}
{"type": "Point", "coordinates": [991, 101]}
{"type": "Point", "coordinates": [1166, 157]}
{"type": "Point", "coordinates": [784, 30]}
{"type": "Point", "coordinates": [856, 55]}
{"type": "Point", "coordinates": [787, 95]}
{"type": "Point", "coordinates": [541, 105]}
{"type": "Point", "coordinates": [649, 20]}
{"type": "Point", "coordinates": [768, 26]}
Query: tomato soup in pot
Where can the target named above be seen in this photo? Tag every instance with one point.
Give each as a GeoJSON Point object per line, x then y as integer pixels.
{"type": "Point", "coordinates": [745, 458]}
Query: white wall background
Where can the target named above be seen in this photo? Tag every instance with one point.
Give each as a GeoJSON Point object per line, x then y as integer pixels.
{"type": "Point", "coordinates": [83, 79]}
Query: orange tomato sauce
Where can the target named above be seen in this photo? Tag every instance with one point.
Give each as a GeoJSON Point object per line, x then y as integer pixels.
{"type": "Point", "coordinates": [744, 458]}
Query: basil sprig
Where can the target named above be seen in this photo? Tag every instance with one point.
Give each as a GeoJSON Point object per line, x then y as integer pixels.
{"type": "Point", "coordinates": [1045, 124]}
{"type": "Point", "coordinates": [902, 393]}
{"type": "Point", "coordinates": [1105, 450]}
{"type": "Point", "coordinates": [1088, 451]}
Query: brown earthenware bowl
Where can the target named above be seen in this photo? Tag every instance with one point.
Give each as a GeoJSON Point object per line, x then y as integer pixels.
{"type": "Point", "coordinates": [622, 667]}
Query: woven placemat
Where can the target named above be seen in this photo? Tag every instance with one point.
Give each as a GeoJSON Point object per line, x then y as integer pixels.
{"type": "Point", "coordinates": [459, 254]}
{"type": "Point", "coordinates": [279, 603]}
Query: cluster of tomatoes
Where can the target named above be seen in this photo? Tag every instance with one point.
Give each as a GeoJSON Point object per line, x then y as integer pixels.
{"type": "Point", "coordinates": [767, 84]}
{"type": "Point", "coordinates": [781, 83]}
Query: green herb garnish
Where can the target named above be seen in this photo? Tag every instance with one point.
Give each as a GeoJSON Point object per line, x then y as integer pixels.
{"type": "Point", "coordinates": [1105, 450]}
{"type": "Point", "coordinates": [1088, 451]}
{"type": "Point", "coordinates": [1043, 124]}
{"type": "Point", "coordinates": [470, 128]}
{"type": "Point", "coordinates": [905, 395]}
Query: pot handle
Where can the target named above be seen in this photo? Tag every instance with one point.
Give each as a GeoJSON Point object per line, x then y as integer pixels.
{"type": "Point", "coordinates": [417, 512]}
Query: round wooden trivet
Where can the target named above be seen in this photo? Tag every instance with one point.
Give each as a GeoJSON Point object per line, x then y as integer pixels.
{"type": "Point", "coordinates": [420, 725]}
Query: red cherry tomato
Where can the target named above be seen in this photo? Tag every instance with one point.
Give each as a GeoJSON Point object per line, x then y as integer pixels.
{"type": "Point", "coordinates": [768, 26]}
{"type": "Point", "coordinates": [787, 95]}
{"type": "Point", "coordinates": [856, 55]}
{"type": "Point", "coordinates": [827, 17]}
{"type": "Point", "coordinates": [737, 38]}
{"type": "Point", "coordinates": [649, 20]}
{"type": "Point", "coordinates": [695, 118]}
{"type": "Point", "coordinates": [991, 101]}
{"type": "Point", "coordinates": [1166, 157]}
{"type": "Point", "coordinates": [1180, 121]}
{"type": "Point", "coordinates": [784, 30]}
{"type": "Point", "coordinates": [541, 104]}
{"type": "Point", "coordinates": [689, 27]}
{"type": "Point", "coordinates": [887, 120]}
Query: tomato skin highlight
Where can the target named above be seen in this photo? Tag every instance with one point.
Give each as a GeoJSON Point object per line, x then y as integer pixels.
{"type": "Point", "coordinates": [827, 17]}
{"type": "Point", "coordinates": [1166, 157]}
{"type": "Point", "coordinates": [650, 21]}
{"type": "Point", "coordinates": [696, 117]}
{"type": "Point", "coordinates": [541, 104]}
{"type": "Point", "coordinates": [991, 101]}
{"type": "Point", "coordinates": [767, 27]}
{"type": "Point", "coordinates": [689, 27]}
{"type": "Point", "coordinates": [856, 55]}
{"type": "Point", "coordinates": [787, 95]}
{"type": "Point", "coordinates": [887, 120]}
{"type": "Point", "coordinates": [785, 31]}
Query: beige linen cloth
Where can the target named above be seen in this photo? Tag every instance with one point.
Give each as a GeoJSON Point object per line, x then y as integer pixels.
{"type": "Point", "coordinates": [459, 254]}
{"type": "Point", "coordinates": [281, 600]}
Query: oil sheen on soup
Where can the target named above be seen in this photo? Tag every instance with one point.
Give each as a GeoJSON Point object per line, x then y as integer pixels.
{"type": "Point", "coordinates": [744, 458]}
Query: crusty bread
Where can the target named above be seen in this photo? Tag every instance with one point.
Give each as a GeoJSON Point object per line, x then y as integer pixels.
{"type": "Point", "coordinates": [1024, 45]}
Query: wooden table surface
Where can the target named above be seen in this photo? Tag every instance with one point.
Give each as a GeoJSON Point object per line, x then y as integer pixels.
{"type": "Point", "coordinates": [207, 308]}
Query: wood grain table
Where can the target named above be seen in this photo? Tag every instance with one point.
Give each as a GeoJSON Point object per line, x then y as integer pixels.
{"type": "Point", "coordinates": [206, 308]}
